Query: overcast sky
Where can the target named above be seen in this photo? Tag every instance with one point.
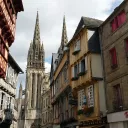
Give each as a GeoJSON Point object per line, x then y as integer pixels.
{"type": "Point", "coordinates": [51, 16]}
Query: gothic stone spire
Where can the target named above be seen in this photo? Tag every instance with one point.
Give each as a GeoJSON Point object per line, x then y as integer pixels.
{"type": "Point", "coordinates": [64, 38]}
{"type": "Point", "coordinates": [36, 38]}
{"type": "Point", "coordinates": [36, 51]}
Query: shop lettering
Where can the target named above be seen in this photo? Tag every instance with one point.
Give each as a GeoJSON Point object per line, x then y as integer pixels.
{"type": "Point", "coordinates": [126, 114]}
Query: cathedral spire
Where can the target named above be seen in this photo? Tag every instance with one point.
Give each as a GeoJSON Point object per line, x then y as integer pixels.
{"type": "Point", "coordinates": [36, 38]}
{"type": "Point", "coordinates": [64, 38]}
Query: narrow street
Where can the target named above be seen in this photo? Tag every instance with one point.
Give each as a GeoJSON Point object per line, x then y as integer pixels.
{"type": "Point", "coordinates": [63, 64]}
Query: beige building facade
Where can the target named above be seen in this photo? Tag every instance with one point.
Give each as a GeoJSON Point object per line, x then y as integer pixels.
{"type": "Point", "coordinates": [86, 74]}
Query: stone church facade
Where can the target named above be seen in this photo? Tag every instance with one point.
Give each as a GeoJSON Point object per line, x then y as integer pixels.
{"type": "Point", "coordinates": [30, 107]}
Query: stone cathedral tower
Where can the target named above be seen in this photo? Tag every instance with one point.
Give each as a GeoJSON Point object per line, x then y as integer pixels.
{"type": "Point", "coordinates": [34, 76]}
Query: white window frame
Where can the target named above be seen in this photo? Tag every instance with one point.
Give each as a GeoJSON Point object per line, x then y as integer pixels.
{"type": "Point", "coordinates": [77, 45]}
{"type": "Point", "coordinates": [81, 95]}
{"type": "Point", "coordinates": [90, 91]}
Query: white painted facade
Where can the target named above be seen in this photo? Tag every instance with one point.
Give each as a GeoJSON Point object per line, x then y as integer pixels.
{"type": "Point", "coordinates": [8, 89]}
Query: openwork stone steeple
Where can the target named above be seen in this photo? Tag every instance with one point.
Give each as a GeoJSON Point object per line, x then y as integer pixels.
{"type": "Point", "coordinates": [64, 38]}
{"type": "Point", "coordinates": [36, 50]}
{"type": "Point", "coordinates": [36, 38]}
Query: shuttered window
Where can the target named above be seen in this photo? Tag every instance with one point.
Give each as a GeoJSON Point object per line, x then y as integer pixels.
{"type": "Point", "coordinates": [121, 18]}
{"type": "Point", "coordinates": [90, 96]}
{"type": "Point", "coordinates": [118, 20]}
{"type": "Point", "coordinates": [126, 47]}
{"type": "Point", "coordinates": [77, 45]}
{"type": "Point", "coordinates": [81, 95]}
{"type": "Point", "coordinates": [75, 70]}
{"type": "Point", "coordinates": [113, 57]}
{"type": "Point", "coordinates": [117, 96]}
{"type": "Point", "coordinates": [72, 72]}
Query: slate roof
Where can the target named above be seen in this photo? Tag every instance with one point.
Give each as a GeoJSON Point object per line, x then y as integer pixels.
{"type": "Point", "coordinates": [89, 23]}
{"type": "Point", "coordinates": [13, 63]}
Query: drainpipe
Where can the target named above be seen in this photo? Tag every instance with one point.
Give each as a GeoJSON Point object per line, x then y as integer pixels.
{"type": "Point", "coordinates": [102, 60]}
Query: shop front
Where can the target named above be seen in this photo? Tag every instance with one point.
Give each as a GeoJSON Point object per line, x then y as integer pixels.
{"type": "Point", "coordinates": [118, 119]}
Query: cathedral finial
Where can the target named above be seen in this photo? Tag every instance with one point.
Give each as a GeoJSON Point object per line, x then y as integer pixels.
{"type": "Point", "coordinates": [64, 39]}
{"type": "Point", "coordinates": [36, 38]}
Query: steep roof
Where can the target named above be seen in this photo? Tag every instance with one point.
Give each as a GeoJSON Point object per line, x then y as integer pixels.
{"type": "Point", "coordinates": [89, 23]}
{"type": "Point", "coordinates": [14, 64]}
{"type": "Point", "coordinates": [86, 22]}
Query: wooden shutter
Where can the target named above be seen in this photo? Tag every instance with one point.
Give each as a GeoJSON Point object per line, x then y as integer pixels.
{"type": "Point", "coordinates": [113, 56]}
{"type": "Point", "coordinates": [90, 96]}
{"type": "Point", "coordinates": [121, 18]}
{"type": "Point", "coordinates": [72, 72]}
{"type": "Point", "coordinates": [79, 67]}
{"type": "Point", "coordinates": [86, 64]}
{"type": "Point", "coordinates": [78, 45]}
{"type": "Point", "coordinates": [126, 47]}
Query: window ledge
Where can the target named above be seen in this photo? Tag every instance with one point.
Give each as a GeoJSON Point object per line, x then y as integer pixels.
{"type": "Point", "coordinates": [114, 66]}
{"type": "Point", "coordinates": [74, 78]}
{"type": "Point", "coordinates": [82, 73]}
{"type": "Point", "coordinates": [75, 52]}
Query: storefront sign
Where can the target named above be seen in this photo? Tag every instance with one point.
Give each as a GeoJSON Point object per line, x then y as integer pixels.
{"type": "Point", "coordinates": [126, 114]}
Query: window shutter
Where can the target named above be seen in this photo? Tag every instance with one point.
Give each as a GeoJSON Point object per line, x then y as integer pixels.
{"type": "Point", "coordinates": [126, 47]}
{"type": "Point", "coordinates": [121, 18]}
{"type": "Point", "coordinates": [113, 25]}
{"type": "Point", "coordinates": [90, 96]}
{"type": "Point", "coordinates": [79, 67]}
{"type": "Point", "coordinates": [78, 45]}
{"type": "Point", "coordinates": [113, 56]}
{"type": "Point", "coordinates": [86, 64]}
{"type": "Point", "coordinates": [72, 72]}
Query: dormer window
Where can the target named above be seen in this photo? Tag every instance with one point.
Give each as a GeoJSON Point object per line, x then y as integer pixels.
{"type": "Point", "coordinates": [76, 47]}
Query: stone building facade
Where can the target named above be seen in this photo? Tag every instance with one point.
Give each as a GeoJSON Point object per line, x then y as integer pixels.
{"type": "Point", "coordinates": [114, 44]}
{"type": "Point", "coordinates": [47, 115]}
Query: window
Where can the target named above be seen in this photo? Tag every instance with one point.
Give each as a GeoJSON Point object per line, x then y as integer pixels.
{"type": "Point", "coordinates": [113, 58]}
{"type": "Point", "coordinates": [117, 97]}
{"type": "Point", "coordinates": [2, 101]}
{"type": "Point", "coordinates": [126, 47]}
{"type": "Point", "coordinates": [83, 66]}
{"type": "Point", "coordinates": [118, 20]}
{"type": "Point", "coordinates": [90, 96]}
{"type": "Point", "coordinates": [76, 47]}
{"type": "Point", "coordinates": [80, 98]}
{"type": "Point", "coordinates": [75, 72]}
